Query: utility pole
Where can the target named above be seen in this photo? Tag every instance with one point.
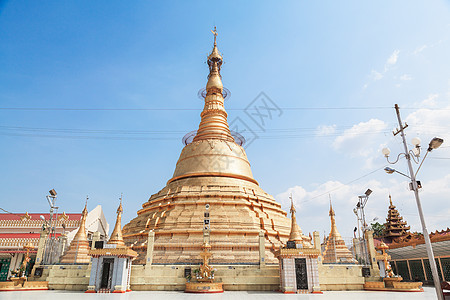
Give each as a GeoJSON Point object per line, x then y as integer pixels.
{"type": "Point", "coordinates": [415, 188]}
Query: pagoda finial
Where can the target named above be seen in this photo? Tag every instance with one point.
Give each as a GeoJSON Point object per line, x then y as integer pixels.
{"type": "Point", "coordinates": [331, 213]}
{"type": "Point", "coordinates": [296, 233]}
{"type": "Point", "coordinates": [292, 205]}
{"type": "Point", "coordinates": [213, 124]}
{"type": "Point", "coordinates": [116, 235]}
{"type": "Point", "coordinates": [390, 199]}
{"type": "Point", "coordinates": [332, 217]}
{"type": "Point", "coordinates": [215, 35]}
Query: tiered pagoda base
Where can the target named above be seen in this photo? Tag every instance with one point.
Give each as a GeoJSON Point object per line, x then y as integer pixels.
{"type": "Point", "coordinates": [239, 212]}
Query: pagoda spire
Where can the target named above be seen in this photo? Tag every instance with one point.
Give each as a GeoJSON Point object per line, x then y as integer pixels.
{"type": "Point", "coordinates": [116, 235]}
{"type": "Point", "coordinates": [395, 227]}
{"type": "Point", "coordinates": [296, 233]}
{"type": "Point", "coordinates": [335, 250]}
{"type": "Point", "coordinates": [79, 246]}
{"type": "Point", "coordinates": [81, 233]}
{"type": "Point", "coordinates": [213, 124]}
{"type": "Point", "coordinates": [332, 215]}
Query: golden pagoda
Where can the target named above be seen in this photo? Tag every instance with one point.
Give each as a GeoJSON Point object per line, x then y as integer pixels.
{"type": "Point", "coordinates": [213, 169]}
{"type": "Point", "coordinates": [394, 227]}
{"type": "Point", "coordinates": [336, 251]}
{"type": "Point", "coordinates": [79, 247]}
{"type": "Point", "coordinates": [296, 234]}
{"type": "Point", "coordinates": [116, 236]}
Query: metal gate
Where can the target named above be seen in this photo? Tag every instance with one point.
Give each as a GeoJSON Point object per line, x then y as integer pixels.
{"type": "Point", "coordinates": [301, 274]}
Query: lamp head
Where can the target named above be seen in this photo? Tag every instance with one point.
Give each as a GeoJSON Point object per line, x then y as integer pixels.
{"type": "Point", "coordinates": [368, 192]}
{"type": "Point", "coordinates": [435, 143]}
{"type": "Point", "coordinates": [52, 192]}
{"type": "Point", "coordinates": [389, 170]}
{"type": "Point", "coordinates": [386, 151]}
{"type": "Point", "coordinates": [416, 142]}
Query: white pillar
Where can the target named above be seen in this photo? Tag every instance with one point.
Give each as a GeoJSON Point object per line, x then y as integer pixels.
{"type": "Point", "coordinates": [262, 250]}
{"type": "Point", "coordinates": [150, 246]}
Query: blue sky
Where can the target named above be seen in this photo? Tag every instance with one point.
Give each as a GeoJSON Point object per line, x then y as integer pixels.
{"type": "Point", "coordinates": [142, 54]}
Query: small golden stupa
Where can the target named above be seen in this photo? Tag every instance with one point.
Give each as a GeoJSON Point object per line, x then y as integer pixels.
{"type": "Point", "coordinates": [212, 169]}
{"type": "Point", "coordinates": [79, 247]}
{"type": "Point", "coordinates": [336, 251]}
{"type": "Point", "coordinates": [116, 236]}
{"type": "Point", "coordinates": [296, 234]}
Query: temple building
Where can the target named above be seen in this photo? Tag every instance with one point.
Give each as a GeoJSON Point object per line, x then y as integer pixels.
{"type": "Point", "coordinates": [407, 249]}
{"type": "Point", "coordinates": [395, 227]}
{"type": "Point", "coordinates": [212, 169]}
{"type": "Point", "coordinates": [18, 229]}
{"type": "Point", "coordinates": [299, 271]}
{"type": "Point", "coordinates": [111, 266]}
{"type": "Point", "coordinates": [335, 250]}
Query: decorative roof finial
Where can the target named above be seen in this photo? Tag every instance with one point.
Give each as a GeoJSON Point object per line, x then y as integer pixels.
{"type": "Point", "coordinates": [213, 124]}
{"type": "Point", "coordinates": [292, 205]}
{"type": "Point", "coordinates": [331, 207]}
{"type": "Point", "coordinates": [296, 233]}
{"type": "Point", "coordinates": [215, 35]}
{"type": "Point", "coordinates": [390, 199]}
{"type": "Point", "coordinates": [116, 235]}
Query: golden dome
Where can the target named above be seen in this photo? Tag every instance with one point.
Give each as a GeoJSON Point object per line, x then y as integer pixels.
{"type": "Point", "coordinates": [213, 157]}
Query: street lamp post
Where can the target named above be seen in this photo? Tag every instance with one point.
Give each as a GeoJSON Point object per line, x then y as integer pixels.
{"type": "Point", "coordinates": [359, 212]}
{"type": "Point", "coordinates": [414, 186]}
{"type": "Point", "coordinates": [49, 246]}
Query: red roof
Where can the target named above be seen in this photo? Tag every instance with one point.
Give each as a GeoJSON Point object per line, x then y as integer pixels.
{"type": "Point", "coordinates": [37, 216]}
{"type": "Point", "coordinates": [19, 235]}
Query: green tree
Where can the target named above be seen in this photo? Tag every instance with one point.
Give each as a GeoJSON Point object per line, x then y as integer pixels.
{"type": "Point", "coordinates": [378, 229]}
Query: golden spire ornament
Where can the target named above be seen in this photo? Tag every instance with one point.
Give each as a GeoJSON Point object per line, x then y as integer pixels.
{"type": "Point", "coordinates": [116, 235]}
{"type": "Point", "coordinates": [213, 124]}
{"type": "Point", "coordinates": [296, 233]}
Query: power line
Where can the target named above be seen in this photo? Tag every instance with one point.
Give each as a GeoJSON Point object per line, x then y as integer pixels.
{"type": "Point", "coordinates": [199, 109]}
{"type": "Point", "coordinates": [179, 109]}
{"type": "Point", "coordinates": [8, 212]}
{"type": "Point", "coordinates": [344, 184]}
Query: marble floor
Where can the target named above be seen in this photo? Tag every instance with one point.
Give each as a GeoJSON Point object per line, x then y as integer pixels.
{"type": "Point", "coordinates": [429, 293]}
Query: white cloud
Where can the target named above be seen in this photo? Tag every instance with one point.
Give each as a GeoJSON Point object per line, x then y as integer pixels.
{"type": "Point", "coordinates": [392, 60]}
{"type": "Point", "coordinates": [359, 132]}
{"type": "Point", "coordinates": [376, 75]}
{"type": "Point", "coordinates": [405, 77]}
{"type": "Point", "coordinates": [430, 101]}
{"type": "Point", "coordinates": [420, 49]}
{"type": "Point", "coordinates": [430, 122]}
{"type": "Point", "coordinates": [324, 130]}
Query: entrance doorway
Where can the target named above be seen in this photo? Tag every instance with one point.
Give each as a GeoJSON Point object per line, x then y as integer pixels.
{"type": "Point", "coordinates": [300, 274]}
{"type": "Point", "coordinates": [107, 272]}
